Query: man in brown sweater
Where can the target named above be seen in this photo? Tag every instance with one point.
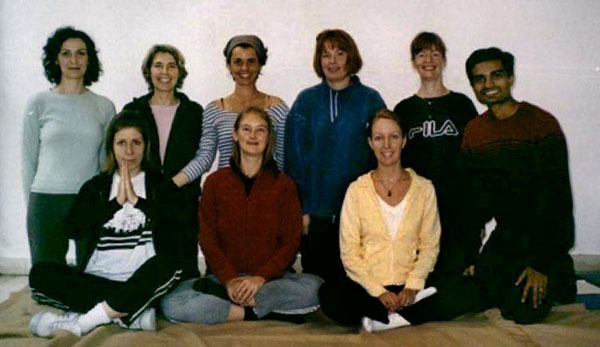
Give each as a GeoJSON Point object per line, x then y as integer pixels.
{"type": "Point", "coordinates": [516, 158]}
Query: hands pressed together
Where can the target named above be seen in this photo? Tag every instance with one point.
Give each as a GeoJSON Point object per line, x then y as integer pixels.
{"type": "Point", "coordinates": [126, 192]}
{"type": "Point", "coordinates": [394, 302]}
{"type": "Point", "coordinates": [241, 290]}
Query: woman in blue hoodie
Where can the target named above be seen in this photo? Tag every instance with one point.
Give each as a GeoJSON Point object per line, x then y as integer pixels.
{"type": "Point", "coordinates": [325, 146]}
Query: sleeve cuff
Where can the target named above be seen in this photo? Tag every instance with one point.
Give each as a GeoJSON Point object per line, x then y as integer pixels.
{"type": "Point", "coordinates": [376, 291]}
{"type": "Point", "coordinates": [415, 283]}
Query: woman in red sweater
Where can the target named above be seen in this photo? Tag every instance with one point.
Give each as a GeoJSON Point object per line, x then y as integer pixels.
{"type": "Point", "coordinates": [250, 222]}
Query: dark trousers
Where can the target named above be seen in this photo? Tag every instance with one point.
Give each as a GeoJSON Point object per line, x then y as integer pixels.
{"type": "Point", "coordinates": [70, 289]}
{"type": "Point", "coordinates": [320, 248]}
{"type": "Point", "coordinates": [472, 294]}
{"type": "Point", "coordinates": [492, 286]}
{"type": "Point", "coordinates": [451, 259]}
{"type": "Point", "coordinates": [187, 252]}
{"type": "Point", "coordinates": [346, 302]}
{"type": "Point", "coordinates": [46, 214]}
{"type": "Point", "coordinates": [182, 215]}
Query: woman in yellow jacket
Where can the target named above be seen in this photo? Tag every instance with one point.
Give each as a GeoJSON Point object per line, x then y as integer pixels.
{"type": "Point", "coordinates": [389, 237]}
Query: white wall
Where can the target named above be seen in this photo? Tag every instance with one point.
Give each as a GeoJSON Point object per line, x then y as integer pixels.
{"type": "Point", "coordinates": [555, 44]}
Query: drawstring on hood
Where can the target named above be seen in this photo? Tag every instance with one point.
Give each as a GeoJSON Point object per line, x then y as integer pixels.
{"type": "Point", "coordinates": [333, 97]}
{"type": "Point", "coordinates": [333, 104]}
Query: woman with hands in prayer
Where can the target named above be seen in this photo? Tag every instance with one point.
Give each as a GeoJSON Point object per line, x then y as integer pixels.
{"type": "Point", "coordinates": [129, 258]}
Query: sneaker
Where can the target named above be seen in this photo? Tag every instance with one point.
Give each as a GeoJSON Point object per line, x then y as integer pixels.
{"type": "Point", "coordinates": [145, 321]}
{"type": "Point", "coordinates": [46, 323]}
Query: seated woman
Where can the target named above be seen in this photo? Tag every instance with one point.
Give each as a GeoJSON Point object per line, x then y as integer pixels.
{"type": "Point", "coordinates": [389, 237]}
{"type": "Point", "coordinates": [128, 262]}
{"type": "Point", "coordinates": [250, 222]}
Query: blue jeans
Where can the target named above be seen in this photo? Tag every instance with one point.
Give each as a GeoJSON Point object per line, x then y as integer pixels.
{"type": "Point", "coordinates": [291, 294]}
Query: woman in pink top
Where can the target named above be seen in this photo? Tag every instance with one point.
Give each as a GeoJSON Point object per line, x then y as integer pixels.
{"type": "Point", "coordinates": [175, 124]}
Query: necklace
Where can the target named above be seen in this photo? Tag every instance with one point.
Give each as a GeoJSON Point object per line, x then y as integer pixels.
{"type": "Point", "coordinates": [390, 188]}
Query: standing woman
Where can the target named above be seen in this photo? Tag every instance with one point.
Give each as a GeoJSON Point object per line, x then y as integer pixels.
{"type": "Point", "coordinates": [175, 124]}
{"type": "Point", "coordinates": [435, 119]}
{"type": "Point", "coordinates": [250, 233]}
{"type": "Point", "coordinates": [63, 135]}
{"type": "Point", "coordinates": [326, 148]}
{"type": "Point", "coordinates": [245, 56]}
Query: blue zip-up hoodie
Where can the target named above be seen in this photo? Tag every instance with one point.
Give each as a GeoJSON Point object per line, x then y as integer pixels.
{"type": "Point", "coordinates": [326, 145]}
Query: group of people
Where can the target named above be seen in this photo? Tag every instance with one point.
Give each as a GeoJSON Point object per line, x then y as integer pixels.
{"type": "Point", "coordinates": [387, 209]}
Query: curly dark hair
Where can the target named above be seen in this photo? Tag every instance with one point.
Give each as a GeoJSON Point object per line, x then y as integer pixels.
{"type": "Point", "coordinates": [53, 46]}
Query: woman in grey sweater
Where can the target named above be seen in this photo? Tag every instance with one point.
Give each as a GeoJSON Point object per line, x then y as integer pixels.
{"type": "Point", "coordinates": [63, 133]}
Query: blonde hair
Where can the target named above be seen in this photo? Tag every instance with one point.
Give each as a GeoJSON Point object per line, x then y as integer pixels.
{"type": "Point", "coordinates": [267, 159]}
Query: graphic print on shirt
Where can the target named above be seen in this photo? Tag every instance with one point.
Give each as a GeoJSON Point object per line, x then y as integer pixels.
{"type": "Point", "coordinates": [429, 128]}
{"type": "Point", "coordinates": [126, 220]}
{"type": "Point", "coordinates": [125, 243]}
{"type": "Point", "coordinates": [127, 229]}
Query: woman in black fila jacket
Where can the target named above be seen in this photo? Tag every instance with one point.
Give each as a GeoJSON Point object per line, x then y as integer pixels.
{"type": "Point", "coordinates": [434, 119]}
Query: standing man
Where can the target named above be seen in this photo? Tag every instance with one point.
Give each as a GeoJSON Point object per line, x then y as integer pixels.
{"type": "Point", "coordinates": [516, 158]}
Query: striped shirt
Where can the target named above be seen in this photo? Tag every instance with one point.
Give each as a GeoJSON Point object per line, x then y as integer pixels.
{"type": "Point", "coordinates": [217, 133]}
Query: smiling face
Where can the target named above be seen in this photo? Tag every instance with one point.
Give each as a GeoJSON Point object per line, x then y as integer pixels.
{"type": "Point", "coordinates": [164, 72]}
{"type": "Point", "coordinates": [252, 134]}
{"type": "Point", "coordinates": [386, 141]}
{"type": "Point", "coordinates": [129, 147]}
{"type": "Point", "coordinates": [73, 59]}
{"type": "Point", "coordinates": [491, 83]}
{"type": "Point", "coordinates": [429, 64]}
{"type": "Point", "coordinates": [244, 66]}
{"type": "Point", "coordinates": [334, 63]}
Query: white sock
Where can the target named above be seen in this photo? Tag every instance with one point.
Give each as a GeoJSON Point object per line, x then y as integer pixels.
{"type": "Point", "coordinates": [396, 321]}
{"type": "Point", "coordinates": [93, 318]}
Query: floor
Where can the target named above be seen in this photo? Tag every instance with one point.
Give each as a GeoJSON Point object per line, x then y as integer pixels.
{"type": "Point", "coordinates": [9, 284]}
